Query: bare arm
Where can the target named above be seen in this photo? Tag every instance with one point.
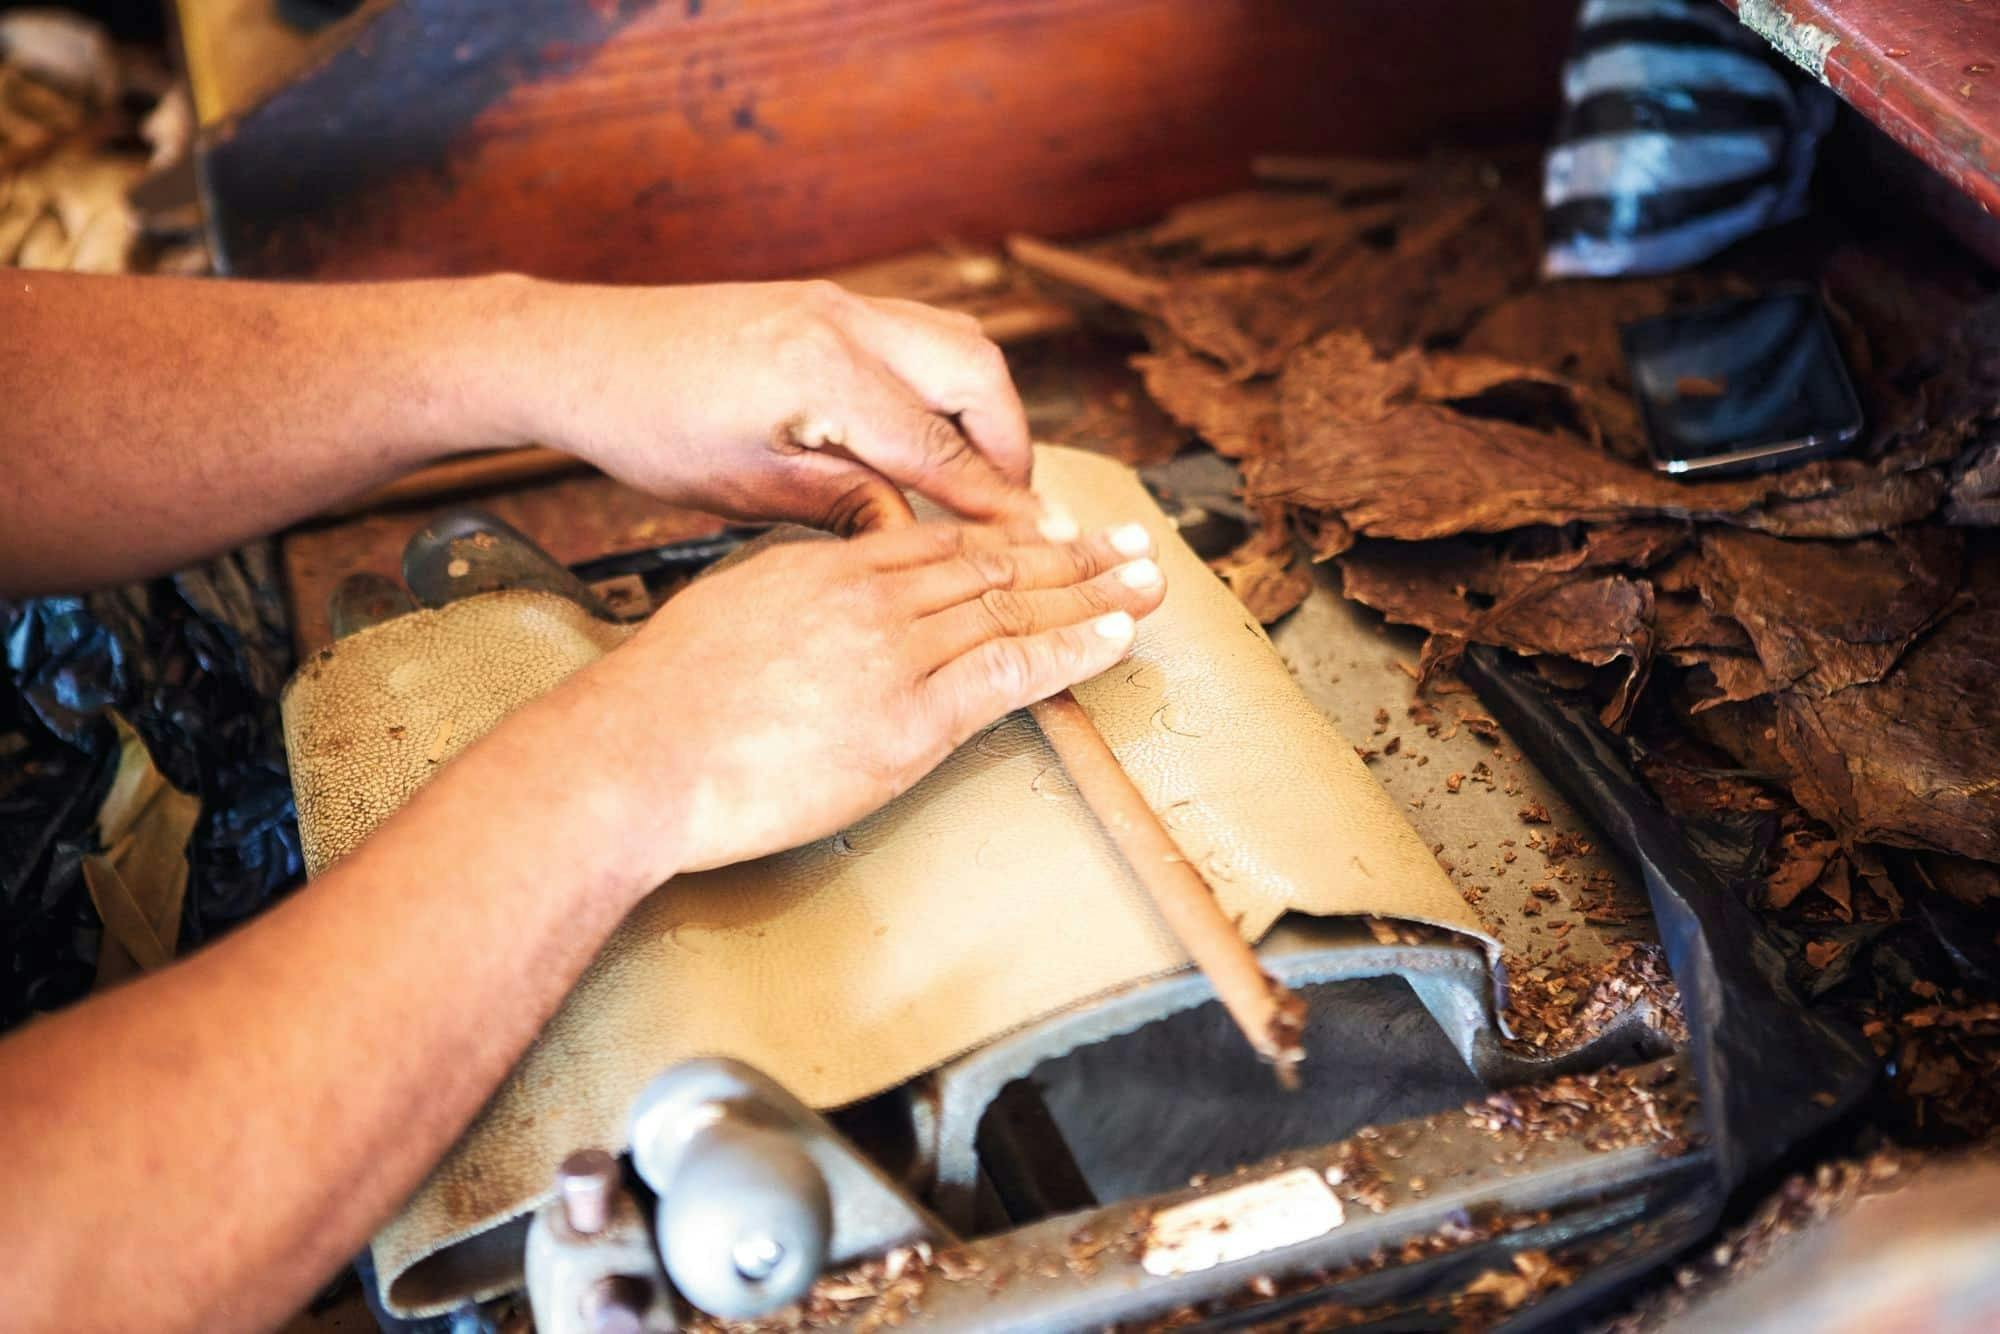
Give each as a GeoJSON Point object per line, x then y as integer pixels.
{"type": "Point", "coordinates": [151, 421]}
{"type": "Point", "coordinates": [200, 1149]}
{"type": "Point", "coordinates": [154, 421]}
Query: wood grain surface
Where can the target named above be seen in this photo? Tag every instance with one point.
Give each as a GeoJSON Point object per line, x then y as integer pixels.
{"type": "Point", "coordinates": [1926, 71]}
{"type": "Point", "coordinates": [634, 140]}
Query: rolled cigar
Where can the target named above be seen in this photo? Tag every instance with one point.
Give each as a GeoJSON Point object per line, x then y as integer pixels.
{"type": "Point", "coordinates": [1270, 1015]}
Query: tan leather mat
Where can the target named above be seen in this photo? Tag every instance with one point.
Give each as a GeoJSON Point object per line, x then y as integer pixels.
{"type": "Point", "coordinates": [984, 899]}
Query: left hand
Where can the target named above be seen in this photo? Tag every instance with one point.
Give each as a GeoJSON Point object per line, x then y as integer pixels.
{"type": "Point", "coordinates": [815, 681]}
{"type": "Point", "coordinates": [786, 401]}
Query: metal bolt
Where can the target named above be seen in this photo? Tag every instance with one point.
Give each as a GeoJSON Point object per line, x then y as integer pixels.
{"type": "Point", "coordinates": [616, 1304]}
{"type": "Point", "coordinates": [757, 1256]}
{"type": "Point", "coordinates": [587, 1182]}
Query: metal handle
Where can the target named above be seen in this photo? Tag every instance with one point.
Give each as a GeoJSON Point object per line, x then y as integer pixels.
{"type": "Point", "coordinates": [745, 1222]}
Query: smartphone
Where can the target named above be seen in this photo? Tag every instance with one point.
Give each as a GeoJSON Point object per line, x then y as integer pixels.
{"type": "Point", "coordinates": [1746, 385]}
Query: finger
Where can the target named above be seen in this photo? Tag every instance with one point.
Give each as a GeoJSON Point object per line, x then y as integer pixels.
{"type": "Point", "coordinates": [885, 426]}
{"type": "Point", "coordinates": [915, 546]}
{"type": "Point", "coordinates": [1002, 675]}
{"type": "Point", "coordinates": [955, 370]}
{"type": "Point", "coordinates": [987, 560]}
{"type": "Point", "coordinates": [845, 497]}
{"type": "Point", "coordinates": [1134, 588]}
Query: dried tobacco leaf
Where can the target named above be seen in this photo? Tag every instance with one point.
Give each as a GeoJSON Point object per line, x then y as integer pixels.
{"type": "Point", "coordinates": [1803, 857]}
{"type": "Point", "coordinates": [1236, 418]}
{"type": "Point", "coordinates": [1243, 318]}
{"type": "Point", "coordinates": [1823, 616]}
{"type": "Point", "coordinates": [1967, 881]}
{"type": "Point", "coordinates": [1909, 760]}
{"type": "Point", "coordinates": [1265, 572]}
{"type": "Point", "coordinates": [1837, 885]}
{"type": "Point", "coordinates": [1462, 244]}
{"type": "Point", "coordinates": [1325, 535]}
{"type": "Point", "coordinates": [1974, 498]}
{"type": "Point", "coordinates": [1571, 329]}
{"type": "Point", "coordinates": [1567, 605]}
{"type": "Point", "coordinates": [1266, 224]}
{"type": "Point", "coordinates": [1685, 625]}
{"type": "Point", "coordinates": [1860, 499]}
{"type": "Point", "coordinates": [1422, 446]}
{"type": "Point", "coordinates": [1417, 267]}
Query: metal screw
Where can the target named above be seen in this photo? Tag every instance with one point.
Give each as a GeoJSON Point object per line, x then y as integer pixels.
{"type": "Point", "coordinates": [587, 1182]}
{"type": "Point", "coordinates": [616, 1304]}
{"type": "Point", "coordinates": [757, 1256]}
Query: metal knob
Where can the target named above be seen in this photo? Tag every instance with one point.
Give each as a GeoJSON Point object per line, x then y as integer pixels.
{"type": "Point", "coordinates": [745, 1222]}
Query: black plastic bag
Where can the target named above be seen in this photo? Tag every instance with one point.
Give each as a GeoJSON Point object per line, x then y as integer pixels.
{"type": "Point", "coordinates": [194, 662]}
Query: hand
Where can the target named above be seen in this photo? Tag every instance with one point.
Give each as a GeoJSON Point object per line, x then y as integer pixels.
{"type": "Point", "coordinates": [782, 699]}
{"type": "Point", "coordinates": [793, 401]}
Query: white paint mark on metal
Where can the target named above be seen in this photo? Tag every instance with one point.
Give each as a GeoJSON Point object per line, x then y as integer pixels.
{"type": "Point", "coordinates": [1804, 44]}
{"type": "Point", "coordinates": [1281, 1210]}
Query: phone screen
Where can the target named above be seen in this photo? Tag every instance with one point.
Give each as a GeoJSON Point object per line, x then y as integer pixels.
{"type": "Point", "coordinates": [1752, 383]}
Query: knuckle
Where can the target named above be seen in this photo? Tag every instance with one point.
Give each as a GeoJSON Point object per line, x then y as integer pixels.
{"type": "Point", "coordinates": [1006, 612]}
{"type": "Point", "coordinates": [992, 569]}
{"type": "Point", "coordinates": [1080, 562]}
{"type": "Point", "coordinates": [939, 542]}
{"type": "Point", "coordinates": [943, 445]}
{"type": "Point", "coordinates": [1071, 652]}
{"type": "Point", "coordinates": [1093, 600]}
{"type": "Point", "coordinates": [1008, 669]}
{"type": "Point", "coordinates": [984, 354]}
{"type": "Point", "coordinates": [951, 541]}
{"type": "Point", "coordinates": [868, 596]}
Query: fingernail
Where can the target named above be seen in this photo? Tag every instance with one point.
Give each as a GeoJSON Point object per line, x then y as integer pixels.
{"type": "Point", "coordinates": [1118, 625]}
{"type": "Point", "coordinates": [1056, 525]}
{"type": "Point", "coordinates": [1131, 539]}
{"type": "Point", "coordinates": [1139, 574]}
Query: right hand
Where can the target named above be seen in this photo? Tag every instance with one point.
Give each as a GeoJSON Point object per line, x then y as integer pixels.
{"type": "Point", "coordinates": [783, 401]}
{"type": "Point", "coordinates": [781, 700]}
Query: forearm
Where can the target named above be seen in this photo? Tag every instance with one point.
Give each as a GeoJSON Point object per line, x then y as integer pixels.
{"type": "Point", "coordinates": [145, 422]}
{"type": "Point", "coordinates": [202, 1148]}
{"type": "Point", "coordinates": [151, 421]}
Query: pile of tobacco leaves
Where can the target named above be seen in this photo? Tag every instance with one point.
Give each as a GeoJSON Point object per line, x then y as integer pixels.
{"type": "Point", "coordinates": [1806, 659]}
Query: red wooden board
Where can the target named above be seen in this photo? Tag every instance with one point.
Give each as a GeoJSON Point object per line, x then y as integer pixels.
{"type": "Point", "coordinates": [673, 140]}
{"type": "Point", "coordinates": [1926, 71]}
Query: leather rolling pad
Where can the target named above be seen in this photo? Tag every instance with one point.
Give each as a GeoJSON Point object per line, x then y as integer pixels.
{"type": "Point", "coordinates": [985, 898]}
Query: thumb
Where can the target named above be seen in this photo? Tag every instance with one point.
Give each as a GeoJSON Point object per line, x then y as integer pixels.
{"type": "Point", "coordinates": [845, 497]}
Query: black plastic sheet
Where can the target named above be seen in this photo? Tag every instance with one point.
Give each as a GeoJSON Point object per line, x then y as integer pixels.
{"type": "Point", "coordinates": [194, 662]}
{"type": "Point", "coordinates": [1771, 1071]}
{"type": "Point", "coordinates": [1773, 1074]}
